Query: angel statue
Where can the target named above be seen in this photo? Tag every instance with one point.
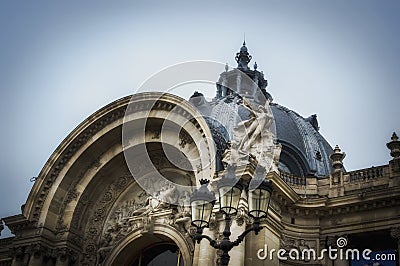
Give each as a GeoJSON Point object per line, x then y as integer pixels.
{"type": "Point", "coordinates": [255, 127]}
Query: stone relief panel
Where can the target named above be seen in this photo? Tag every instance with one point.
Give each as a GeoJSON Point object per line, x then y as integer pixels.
{"type": "Point", "coordinates": [299, 247]}
{"type": "Point", "coordinates": [125, 208]}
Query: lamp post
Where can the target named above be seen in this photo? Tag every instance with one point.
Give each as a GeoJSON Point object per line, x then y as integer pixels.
{"type": "Point", "coordinates": [230, 189]}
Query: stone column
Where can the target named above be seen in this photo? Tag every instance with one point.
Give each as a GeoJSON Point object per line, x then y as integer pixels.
{"type": "Point", "coordinates": [196, 254]}
{"type": "Point", "coordinates": [206, 252]}
{"type": "Point", "coordinates": [37, 253]}
{"type": "Point", "coordinates": [237, 253]}
{"type": "Point", "coordinates": [265, 240]}
{"type": "Point", "coordinates": [36, 259]}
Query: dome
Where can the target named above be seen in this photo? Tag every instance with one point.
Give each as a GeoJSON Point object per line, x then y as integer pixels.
{"type": "Point", "coordinates": [304, 152]}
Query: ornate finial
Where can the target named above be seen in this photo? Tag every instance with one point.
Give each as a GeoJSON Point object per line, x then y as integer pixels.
{"type": "Point", "coordinates": [255, 65]}
{"type": "Point", "coordinates": [226, 67]}
{"type": "Point", "coordinates": [244, 39]}
{"type": "Point", "coordinates": [337, 159]}
{"type": "Point", "coordinates": [243, 57]}
{"type": "Point", "coordinates": [394, 146]}
{"type": "Point", "coordinates": [394, 136]}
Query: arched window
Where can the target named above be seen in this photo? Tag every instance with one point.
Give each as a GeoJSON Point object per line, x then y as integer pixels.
{"type": "Point", "coordinates": [282, 166]}
{"type": "Point", "coordinates": [159, 254]}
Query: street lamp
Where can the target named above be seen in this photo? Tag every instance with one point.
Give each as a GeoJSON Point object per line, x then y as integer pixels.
{"type": "Point", "coordinates": [230, 189]}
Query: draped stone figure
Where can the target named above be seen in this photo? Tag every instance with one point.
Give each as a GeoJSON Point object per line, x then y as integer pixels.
{"type": "Point", "coordinates": [253, 139]}
{"type": "Point", "coordinates": [255, 127]}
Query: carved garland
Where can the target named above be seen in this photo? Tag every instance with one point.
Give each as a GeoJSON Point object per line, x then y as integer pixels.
{"type": "Point", "coordinates": [98, 216]}
{"type": "Point", "coordinates": [39, 250]}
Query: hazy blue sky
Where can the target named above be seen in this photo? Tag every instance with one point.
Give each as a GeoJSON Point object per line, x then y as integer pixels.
{"type": "Point", "coordinates": [61, 61]}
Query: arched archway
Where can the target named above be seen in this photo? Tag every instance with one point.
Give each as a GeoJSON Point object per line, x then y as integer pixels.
{"type": "Point", "coordinates": [159, 254]}
{"type": "Point", "coordinates": [76, 189]}
{"type": "Point", "coordinates": [163, 239]}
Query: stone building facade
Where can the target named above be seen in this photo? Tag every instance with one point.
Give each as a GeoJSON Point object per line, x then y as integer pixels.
{"type": "Point", "coordinates": [88, 207]}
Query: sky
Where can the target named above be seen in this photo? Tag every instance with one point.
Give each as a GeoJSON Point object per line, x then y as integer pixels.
{"type": "Point", "coordinates": [60, 61]}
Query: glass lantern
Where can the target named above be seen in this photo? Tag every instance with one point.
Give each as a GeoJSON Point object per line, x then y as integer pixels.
{"type": "Point", "coordinates": [202, 203]}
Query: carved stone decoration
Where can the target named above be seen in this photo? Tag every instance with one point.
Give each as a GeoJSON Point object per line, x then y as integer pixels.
{"type": "Point", "coordinates": [394, 146]}
{"type": "Point", "coordinates": [72, 194]}
{"type": "Point", "coordinates": [18, 253]}
{"type": "Point", "coordinates": [97, 219]}
{"type": "Point", "coordinates": [138, 213]}
{"type": "Point", "coordinates": [183, 208]}
{"type": "Point", "coordinates": [242, 217]}
{"type": "Point", "coordinates": [184, 138]}
{"type": "Point", "coordinates": [65, 254]}
{"type": "Point", "coordinates": [36, 250]}
{"type": "Point", "coordinates": [331, 241]}
{"type": "Point", "coordinates": [134, 211]}
{"type": "Point", "coordinates": [287, 243]}
{"type": "Point", "coordinates": [125, 207]}
{"type": "Point", "coordinates": [214, 221]}
{"type": "Point", "coordinates": [39, 253]}
{"type": "Point", "coordinates": [300, 245]}
{"type": "Point", "coordinates": [275, 206]}
{"type": "Point", "coordinates": [337, 159]}
{"type": "Point", "coordinates": [252, 138]}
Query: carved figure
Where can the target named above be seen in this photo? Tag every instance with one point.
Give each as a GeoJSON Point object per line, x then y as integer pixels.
{"type": "Point", "coordinates": [255, 126]}
{"type": "Point", "coordinates": [252, 140]}
{"type": "Point", "coordinates": [168, 194]}
{"type": "Point", "coordinates": [184, 204]}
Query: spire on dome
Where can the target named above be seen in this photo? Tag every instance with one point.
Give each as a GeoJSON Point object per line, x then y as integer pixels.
{"type": "Point", "coordinates": [243, 57]}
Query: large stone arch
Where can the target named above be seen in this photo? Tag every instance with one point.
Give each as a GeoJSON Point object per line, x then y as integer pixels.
{"type": "Point", "coordinates": [137, 240]}
{"type": "Point", "coordinates": [63, 199]}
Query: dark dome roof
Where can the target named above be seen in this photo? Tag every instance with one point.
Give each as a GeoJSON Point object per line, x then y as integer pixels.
{"type": "Point", "coordinates": [305, 152]}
